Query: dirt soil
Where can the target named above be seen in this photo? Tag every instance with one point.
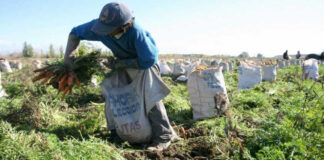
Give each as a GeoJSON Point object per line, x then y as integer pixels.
{"type": "Point", "coordinates": [193, 147]}
{"type": "Point", "coordinates": [28, 114]}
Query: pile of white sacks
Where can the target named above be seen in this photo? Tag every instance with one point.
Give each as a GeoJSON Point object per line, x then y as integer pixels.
{"type": "Point", "coordinates": [252, 73]}
{"type": "Point", "coordinates": [286, 63]}
{"type": "Point", "coordinates": [16, 65]}
{"type": "Point", "coordinates": [2, 92]}
{"type": "Point", "coordinates": [180, 69]}
{"type": "Point", "coordinates": [206, 87]}
{"type": "Point", "coordinates": [7, 66]}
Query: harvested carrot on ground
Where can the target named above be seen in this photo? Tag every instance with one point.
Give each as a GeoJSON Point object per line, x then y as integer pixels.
{"type": "Point", "coordinates": [182, 130]}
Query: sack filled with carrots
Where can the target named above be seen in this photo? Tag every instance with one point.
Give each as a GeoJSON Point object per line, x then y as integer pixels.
{"type": "Point", "coordinates": [63, 78]}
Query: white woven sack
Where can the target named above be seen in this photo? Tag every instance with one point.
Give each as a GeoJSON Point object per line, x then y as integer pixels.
{"type": "Point", "coordinates": [298, 62]}
{"type": "Point", "coordinates": [203, 87]}
{"type": "Point", "coordinates": [249, 75]}
{"type": "Point", "coordinates": [186, 62]}
{"type": "Point", "coordinates": [269, 72]}
{"type": "Point", "coordinates": [287, 63]}
{"type": "Point", "coordinates": [310, 69]}
{"type": "Point", "coordinates": [281, 64]}
{"type": "Point", "coordinates": [182, 78]}
{"type": "Point", "coordinates": [190, 68]}
{"type": "Point", "coordinates": [171, 66]}
{"type": "Point", "coordinates": [18, 65]}
{"type": "Point", "coordinates": [178, 69]}
{"type": "Point", "coordinates": [225, 66]}
{"type": "Point", "coordinates": [37, 64]}
{"type": "Point", "coordinates": [5, 66]}
{"type": "Point", "coordinates": [165, 69]}
{"type": "Point", "coordinates": [321, 62]}
{"type": "Point", "coordinates": [3, 94]}
{"type": "Point", "coordinates": [130, 95]}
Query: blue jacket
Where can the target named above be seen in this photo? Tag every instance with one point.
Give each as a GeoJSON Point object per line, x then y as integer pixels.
{"type": "Point", "coordinates": [136, 43]}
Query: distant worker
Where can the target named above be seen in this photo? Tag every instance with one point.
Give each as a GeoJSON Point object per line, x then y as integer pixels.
{"type": "Point", "coordinates": [298, 55]}
{"type": "Point", "coordinates": [285, 55]}
{"type": "Point", "coordinates": [134, 48]}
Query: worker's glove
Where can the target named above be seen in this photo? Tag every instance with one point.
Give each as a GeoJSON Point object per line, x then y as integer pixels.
{"type": "Point", "coordinates": [114, 63]}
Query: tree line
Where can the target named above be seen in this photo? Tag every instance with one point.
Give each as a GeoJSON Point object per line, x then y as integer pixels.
{"type": "Point", "coordinates": [28, 51]}
{"type": "Point", "coordinates": [83, 48]}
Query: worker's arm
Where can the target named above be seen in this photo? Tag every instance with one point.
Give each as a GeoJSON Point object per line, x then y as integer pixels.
{"type": "Point", "coordinates": [146, 49]}
{"type": "Point", "coordinates": [81, 32]}
{"type": "Point", "coordinates": [71, 49]}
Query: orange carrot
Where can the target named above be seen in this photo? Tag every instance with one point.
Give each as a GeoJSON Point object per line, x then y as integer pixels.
{"type": "Point", "coordinates": [183, 132]}
{"type": "Point", "coordinates": [65, 91]}
{"type": "Point", "coordinates": [70, 80]}
{"type": "Point", "coordinates": [55, 78]}
{"type": "Point", "coordinates": [63, 78]}
{"type": "Point", "coordinates": [62, 82]}
{"type": "Point", "coordinates": [77, 81]}
{"type": "Point", "coordinates": [40, 76]}
{"type": "Point", "coordinates": [47, 77]}
{"type": "Point", "coordinates": [45, 80]}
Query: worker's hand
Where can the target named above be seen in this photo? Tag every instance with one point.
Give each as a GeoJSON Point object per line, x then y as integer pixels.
{"type": "Point", "coordinates": [68, 61]}
{"type": "Point", "coordinates": [112, 63]}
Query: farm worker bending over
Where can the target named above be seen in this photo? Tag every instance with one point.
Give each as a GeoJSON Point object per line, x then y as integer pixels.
{"type": "Point", "coordinates": [135, 52]}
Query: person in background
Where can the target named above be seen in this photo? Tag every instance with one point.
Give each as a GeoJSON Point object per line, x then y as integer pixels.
{"type": "Point", "coordinates": [134, 48]}
{"type": "Point", "coordinates": [298, 55]}
{"type": "Point", "coordinates": [285, 55]}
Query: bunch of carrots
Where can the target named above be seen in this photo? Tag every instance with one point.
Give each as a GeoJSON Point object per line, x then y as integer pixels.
{"type": "Point", "coordinates": [57, 74]}
{"type": "Point", "coordinates": [65, 80]}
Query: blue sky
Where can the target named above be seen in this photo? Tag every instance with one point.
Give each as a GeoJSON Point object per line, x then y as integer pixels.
{"type": "Point", "coordinates": [178, 26]}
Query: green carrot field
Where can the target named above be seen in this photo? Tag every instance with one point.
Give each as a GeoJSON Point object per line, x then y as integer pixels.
{"type": "Point", "coordinates": [274, 120]}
